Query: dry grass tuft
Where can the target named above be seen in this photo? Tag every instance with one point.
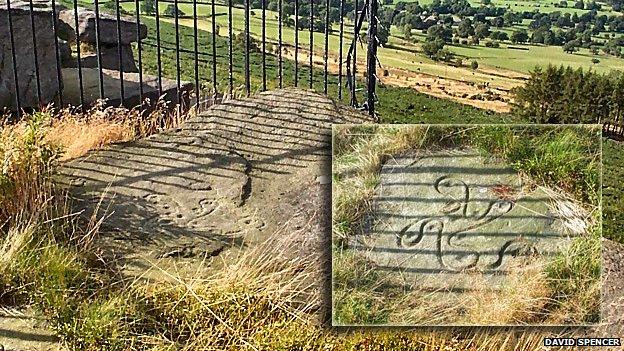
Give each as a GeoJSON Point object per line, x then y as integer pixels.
{"type": "Point", "coordinates": [79, 132]}
{"type": "Point", "coordinates": [521, 300]}
{"type": "Point", "coordinates": [26, 166]}
{"type": "Point", "coordinates": [80, 136]}
{"type": "Point", "coordinates": [263, 300]}
{"type": "Point", "coordinates": [361, 150]}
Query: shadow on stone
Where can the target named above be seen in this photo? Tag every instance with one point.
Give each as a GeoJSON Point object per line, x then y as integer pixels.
{"type": "Point", "coordinates": [223, 181]}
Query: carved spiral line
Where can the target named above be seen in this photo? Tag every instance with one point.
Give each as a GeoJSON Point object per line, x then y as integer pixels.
{"type": "Point", "coordinates": [431, 225]}
{"type": "Point", "coordinates": [443, 263]}
{"type": "Point", "coordinates": [463, 204]}
{"type": "Point", "coordinates": [503, 251]}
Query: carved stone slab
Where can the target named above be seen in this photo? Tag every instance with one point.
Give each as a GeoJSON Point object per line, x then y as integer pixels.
{"type": "Point", "coordinates": [228, 179]}
{"type": "Point", "coordinates": [171, 195]}
{"type": "Point", "coordinates": [441, 218]}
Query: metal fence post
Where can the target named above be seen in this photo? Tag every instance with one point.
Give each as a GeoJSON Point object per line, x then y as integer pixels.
{"type": "Point", "coordinates": [371, 57]}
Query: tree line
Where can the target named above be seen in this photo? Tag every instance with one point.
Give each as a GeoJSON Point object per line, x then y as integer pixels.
{"type": "Point", "coordinates": [566, 95]}
{"type": "Point", "coordinates": [571, 31]}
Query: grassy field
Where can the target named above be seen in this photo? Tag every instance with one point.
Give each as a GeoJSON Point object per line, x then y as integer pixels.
{"type": "Point", "coordinates": [403, 105]}
{"type": "Point", "coordinates": [395, 104]}
{"type": "Point", "coordinates": [407, 56]}
{"type": "Point", "coordinates": [534, 55]}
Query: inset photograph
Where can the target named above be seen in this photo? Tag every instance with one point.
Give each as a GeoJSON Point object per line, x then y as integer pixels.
{"type": "Point", "coordinates": [466, 225]}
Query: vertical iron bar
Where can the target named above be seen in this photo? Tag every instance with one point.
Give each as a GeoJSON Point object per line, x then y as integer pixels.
{"type": "Point", "coordinates": [354, 56]}
{"type": "Point", "coordinates": [36, 56]}
{"type": "Point", "coordinates": [311, 25]}
{"type": "Point", "coordinates": [119, 52]}
{"type": "Point", "coordinates": [59, 77]}
{"type": "Point", "coordinates": [158, 55]}
{"type": "Point", "coordinates": [139, 48]}
{"type": "Point", "coordinates": [196, 56]}
{"type": "Point", "coordinates": [79, 63]}
{"type": "Point", "coordinates": [264, 45]}
{"type": "Point", "coordinates": [247, 49]}
{"type": "Point", "coordinates": [230, 41]}
{"type": "Point", "coordinates": [97, 49]}
{"type": "Point", "coordinates": [279, 41]}
{"type": "Point", "coordinates": [371, 59]}
{"type": "Point", "coordinates": [340, 49]}
{"type": "Point", "coordinates": [14, 58]}
{"type": "Point", "coordinates": [177, 45]}
{"type": "Point", "coordinates": [327, 6]}
{"type": "Point", "coordinates": [296, 42]}
{"type": "Point", "coordinates": [214, 46]}
{"type": "Point", "coordinates": [351, 54]}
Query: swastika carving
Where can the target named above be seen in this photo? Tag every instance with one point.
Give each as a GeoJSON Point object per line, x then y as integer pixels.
{"type": "Point", "coordinates": [454, 214]}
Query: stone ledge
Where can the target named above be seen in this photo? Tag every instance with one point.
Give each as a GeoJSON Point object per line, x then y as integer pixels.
{"type": "Point", "coordinates": [132, 98]}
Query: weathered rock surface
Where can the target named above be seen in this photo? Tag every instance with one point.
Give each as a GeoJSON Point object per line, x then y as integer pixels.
{"type": "Point", "coordinates": [26, 330]}
{"type": "Point", "coordinates": [112, 88]}
{"type": "Point", "coordinates": [107, 27]}
{"type": "Point", "coordinates": [25, 44]}
{"type": "Point", "coordinates": [222, 181]}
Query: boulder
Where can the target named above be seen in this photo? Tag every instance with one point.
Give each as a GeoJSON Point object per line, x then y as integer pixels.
{"type": "Point", "coordinates": [107, 27]}
{"type": "Point", "coordinates": [25, 67]}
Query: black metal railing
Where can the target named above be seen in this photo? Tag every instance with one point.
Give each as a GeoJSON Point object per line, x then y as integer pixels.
{"type": "Point", "coordinates": [133, 52]}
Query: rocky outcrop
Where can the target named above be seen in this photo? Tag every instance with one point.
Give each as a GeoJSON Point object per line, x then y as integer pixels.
{"type": "Point", "coordinates": [26, 65]}
{"type": "Point", "coordinates": [111, 38]}
{"type": "Point", "coordinates": [110, 59]}
{"type": "Point", "coordinates": [107, 28]}
{"type": "Point", "coordinates": [34, 59]}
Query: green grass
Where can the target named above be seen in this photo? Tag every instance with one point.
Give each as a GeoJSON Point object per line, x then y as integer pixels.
{"type": "Point", "coordinates": [501, 58]}
{"type": "Point", "coordinates": [567, 158]}
{"type": "Point", "coordinates": [404, 105]}
{"type": "Point", "coordinates": [354, 280]}
{"type": "Point", "coordinates": [576, 273]}
{"type": "Point", "coordinates": [536, 55]}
